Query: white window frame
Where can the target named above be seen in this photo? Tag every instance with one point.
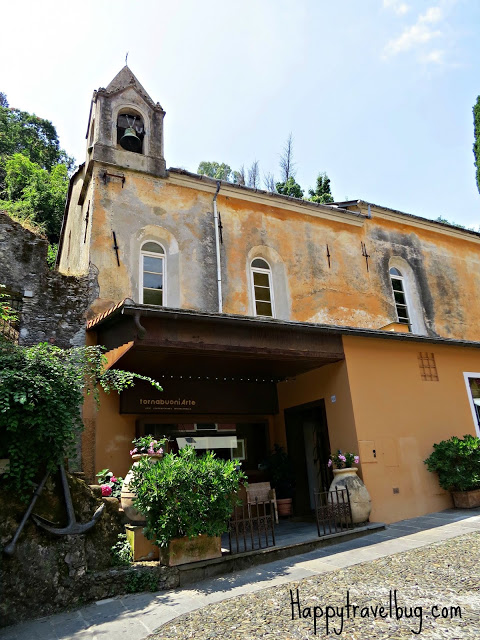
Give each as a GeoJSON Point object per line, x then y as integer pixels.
{"type": "Point", "coordinates": [242, 446]}
{"type": "Point", "coordinates": [405, 293]}
{"type": "Point", "coordinates": [270, 287]}
{"type": "Point", "coordinates": [152, 254]}
{"type": "Point", "coordinates": [467, 375]}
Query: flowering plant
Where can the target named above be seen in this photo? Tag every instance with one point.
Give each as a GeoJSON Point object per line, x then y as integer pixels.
{"type": "Point", "coordinates": [343, 460]}
{"type": "Point", "coordinates": [148, 444]}
{"type": "Point", "coordinates": [111, 485]}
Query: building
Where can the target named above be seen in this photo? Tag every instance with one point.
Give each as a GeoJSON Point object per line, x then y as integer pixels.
{"type": "Point", "coordinates": [269, 319]}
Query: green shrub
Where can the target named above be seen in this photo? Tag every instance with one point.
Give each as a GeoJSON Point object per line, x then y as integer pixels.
{"type": "Point", "coordinates": [185, 495]}
{"type": "Point", "coordinates": [457, 463]}
{"type": "Point", "coordinates": [121, 551]}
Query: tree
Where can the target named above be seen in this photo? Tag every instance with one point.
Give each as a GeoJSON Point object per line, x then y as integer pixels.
{"type": "Point", "coordinates": [322, 191]}
{"type": "Point", "coordinates": [269, 182]}
{"type": "Point", "coordinates": [287, 165]}
{"type": "Point", "coordinates": [215, 170]}
{"type": "Point", "coordinates": [254, 175]}
{"type": "Point", "coordinates": [239, 177]}
{"type": "Point", "coordinates": [290, 188]}
{"type": "Point", "coordinates": [3, 100]}
{"type": "Point", "coordinates": [35, 192]}
{"type": "Point", "coordinates": [476, 144]}
{"type": "Point", "coordinates": [33, 137]}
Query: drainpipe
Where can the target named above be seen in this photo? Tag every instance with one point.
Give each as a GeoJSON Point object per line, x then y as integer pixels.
{"type": "Point", "coordinates": [217, 246]}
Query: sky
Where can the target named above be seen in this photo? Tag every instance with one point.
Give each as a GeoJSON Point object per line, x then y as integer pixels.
{"type": "Point", "coordinates": [377, 93]}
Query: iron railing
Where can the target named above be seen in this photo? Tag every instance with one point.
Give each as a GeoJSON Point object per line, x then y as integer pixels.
{"type": "Point", "coordinates": [252, 526]}
{"type": "Point", "coordinates": [333, 511]}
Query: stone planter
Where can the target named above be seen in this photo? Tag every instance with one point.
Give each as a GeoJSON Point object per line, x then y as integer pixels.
{"type": "Point", "coordinates": [360, 500]}
{"type": "Point", "coordinates": [466, 499]}
{"type": "Point", "coordinates": [185, 550]}
{"type": "Point", "coordinates": [128, 496]}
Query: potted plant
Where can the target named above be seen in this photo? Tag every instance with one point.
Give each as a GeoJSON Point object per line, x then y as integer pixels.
{"type": "Point", "coordinates": [457, 463]}
{"type": "Point", "coordinates": [145, 447]}
{"type": "Point", "coordinates": [345, 477]}
{"type": "Point", "coordinates": [187, 501]}
{"type": "Point", "coordinates": [280, 471]}
{"type": "Point", "coordinates": [110, 484]}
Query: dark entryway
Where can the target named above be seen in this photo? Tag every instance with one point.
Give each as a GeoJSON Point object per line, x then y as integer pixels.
{"type": "Point", "coordinates": [308, 445]}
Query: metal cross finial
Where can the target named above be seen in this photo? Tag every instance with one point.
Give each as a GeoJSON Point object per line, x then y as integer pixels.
{"type": "Point", "coordinates": [126, 60]}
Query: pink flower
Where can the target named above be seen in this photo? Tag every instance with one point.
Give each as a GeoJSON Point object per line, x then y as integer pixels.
{"type": "Point", "coordinates": [329, 463]}
{"type": "Point", "coordinates": [342, 458]}
{"type": "Point", "coordinates": [106, 490]}
{"type": "Point", "coordinates": [356, 459]}
{"type": "Point", "coordinates": [113, 479]}
{"type": "Point", "coordinates": [151, 451]}
{"type": "Point", "coordinates": [133, 451]}
{"type": "Point", "coordinates": [160, 450]}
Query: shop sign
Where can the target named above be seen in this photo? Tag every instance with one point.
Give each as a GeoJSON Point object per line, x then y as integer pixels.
{"type": "Point", "coordinates": [201, 397]}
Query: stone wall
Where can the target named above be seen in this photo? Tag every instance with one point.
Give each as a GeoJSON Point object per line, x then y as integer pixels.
{"type": "Point", "coordinates": [48, 573]}
{"type": "Point", "coordinates": [53, 305]}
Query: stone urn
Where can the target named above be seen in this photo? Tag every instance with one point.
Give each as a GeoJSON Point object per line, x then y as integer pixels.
{"type": "Point", "coordinates": [360, 500]}
{"type": "Point", "coordinates": [127, 495]}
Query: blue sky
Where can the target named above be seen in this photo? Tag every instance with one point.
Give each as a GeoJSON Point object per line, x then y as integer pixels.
{"type": "Point", "coordinates": [377, 93]}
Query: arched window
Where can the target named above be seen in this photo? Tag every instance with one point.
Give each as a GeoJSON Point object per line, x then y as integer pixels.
{"type": "Point", "coordinates": [130, 132]}
{"type": "Point", "coordinates": [400, 296]}
{"type": "Point", "coordinates": [152, 274]}
{"type": "Point", "coordinates": [262, 288]}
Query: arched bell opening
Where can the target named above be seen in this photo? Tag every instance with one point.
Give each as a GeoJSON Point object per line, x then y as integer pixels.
{"type": "Point", "coordinates": [130, 132]}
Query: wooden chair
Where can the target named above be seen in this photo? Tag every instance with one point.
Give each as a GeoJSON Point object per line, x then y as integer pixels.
{"type": "Point", "coordinates": [263, 492]}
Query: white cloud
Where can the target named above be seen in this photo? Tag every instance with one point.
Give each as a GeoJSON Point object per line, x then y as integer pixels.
{"type": "Point", "coordinates": [398, 6]}
{"type": "Point", "coordinates": [417, 35]}
{"type": "Point", "coordinates": [436, 57]}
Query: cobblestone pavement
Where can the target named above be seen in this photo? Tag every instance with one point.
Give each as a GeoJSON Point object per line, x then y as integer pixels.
{"type": "Point", "coordinates": [431, 592]}
{"type": "Point", "coordinates": [428, 561]}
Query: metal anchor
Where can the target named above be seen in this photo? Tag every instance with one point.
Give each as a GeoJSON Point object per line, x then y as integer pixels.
{"type": "Point", "coordinates": [73, 527]}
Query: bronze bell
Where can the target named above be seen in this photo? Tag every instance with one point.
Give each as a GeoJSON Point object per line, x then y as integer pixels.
{"type": "Point", "coordinates": [130, 141]}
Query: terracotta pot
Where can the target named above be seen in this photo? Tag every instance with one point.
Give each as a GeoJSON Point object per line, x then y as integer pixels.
{"type": "Point", "coordinates": [466, 499]}
{"type": "Point", "coordinates": [185, 550]}
{"type": "Point", "coordinates": [127, 496]}
{"type": "Point", "coordinates": [284, 506]}
{"type": "Point", "coordinates": [360, 500]}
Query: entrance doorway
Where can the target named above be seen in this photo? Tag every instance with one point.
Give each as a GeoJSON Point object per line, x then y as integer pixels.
{"type": "Point", "coordinates": [308, 445]}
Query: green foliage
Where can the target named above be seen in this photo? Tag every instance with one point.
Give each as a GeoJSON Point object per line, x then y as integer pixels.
{"type": "Point", "coordinates": [36, 192]}
{"type": "Point", "coordinates": [122, 554]}
{"type": "Point", "coordinates": [457, 463]}
{"type": "Point", "coordinates": [215, 170]}
{"type": "Point", "coordinates": [141, 581]}
{"type": "Point", "coordinates": [280, 471]}
{"type": "Point", "coordinates": [476, 137]}
{"type": "Point", "coordinates": [7, 314]}
{"type": "Point", "coordinates": [445, 221]}
{"type": "Point", "coordinates": [41, 392]}
{"type": "Point", "coordinates": [107, 478]}
{"type": "Point", "coordinates": [33, 137]}
{"type": "Point", "coordinates": [52, 251]}
{"type": "Point", "coordinates": [322, 192]}
{"type": "Point", "coordinates": [184, 494]}
{"type": "Point", "coordinates": [289, 188]}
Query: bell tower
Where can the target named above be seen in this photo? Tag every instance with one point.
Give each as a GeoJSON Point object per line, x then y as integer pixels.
{"type": "Point", "coordinates": [125, 126]}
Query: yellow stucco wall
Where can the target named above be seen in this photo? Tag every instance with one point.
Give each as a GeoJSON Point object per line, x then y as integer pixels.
{"type": "Point", "coordinates": [293, 238]}
{"type": "Point", "coordinates": [400, 416]}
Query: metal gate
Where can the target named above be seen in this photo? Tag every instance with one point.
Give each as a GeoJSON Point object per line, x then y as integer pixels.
{"type": "Point", "coordinates": [252, 526]}
{"type": "Point", "coordinates": [333, 511]}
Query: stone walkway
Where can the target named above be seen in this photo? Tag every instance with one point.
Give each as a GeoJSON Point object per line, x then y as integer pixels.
{"type": "Point", "coordinates": [258, 599]}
